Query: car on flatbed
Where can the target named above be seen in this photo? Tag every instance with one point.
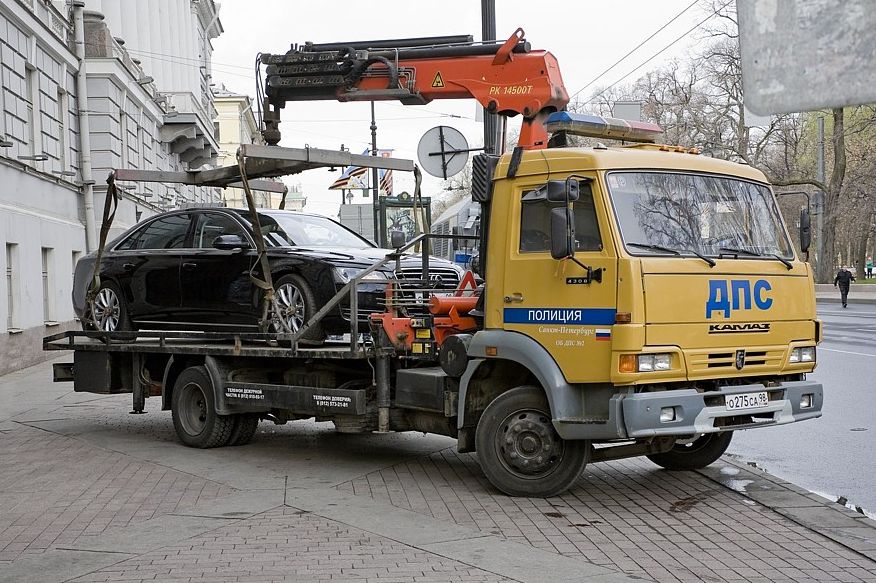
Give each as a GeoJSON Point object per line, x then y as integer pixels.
{"type": "Point", "coordinates": [193, 269]}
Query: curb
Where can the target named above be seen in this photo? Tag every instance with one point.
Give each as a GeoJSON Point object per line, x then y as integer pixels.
{"type": "Point", "coordinates": [839, 523]}
{"type": "Point", "coordinates": [852, 300]}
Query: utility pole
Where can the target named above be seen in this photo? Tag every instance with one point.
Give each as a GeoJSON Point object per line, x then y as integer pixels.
{"type": "Point", "coordinates": [379, 236]}
{"type": "Point", "coordinates": [819, 198]}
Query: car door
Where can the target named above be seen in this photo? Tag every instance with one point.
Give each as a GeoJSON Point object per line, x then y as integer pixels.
{"type": "Point", "coordinates": [550, 300]}
{"type": "Point", "coordinates": [146, 267]}
{"type": "Point", "coordinates": [216, 287]}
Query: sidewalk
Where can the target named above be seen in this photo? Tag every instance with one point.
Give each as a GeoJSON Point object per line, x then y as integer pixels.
{"type": "Point", "coordinates": [89, 493]}
{"type": "Point", "coordinates": [858, 293]}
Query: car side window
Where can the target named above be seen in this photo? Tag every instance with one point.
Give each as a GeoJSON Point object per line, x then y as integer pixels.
{"type": "Point", "coordinates": [211, 225]}
{"type": "Point", "coordinates": [535, 221]}
{"type": "Point", "coordinates": [164, 233]}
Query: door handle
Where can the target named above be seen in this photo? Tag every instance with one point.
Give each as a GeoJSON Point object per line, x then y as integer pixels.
{"type": "Point", "coordinates": [515, 297]}
{"type": "Point", "coordinates": [128, 266]}
{"type": "Point", "coordinates": [189, 266]}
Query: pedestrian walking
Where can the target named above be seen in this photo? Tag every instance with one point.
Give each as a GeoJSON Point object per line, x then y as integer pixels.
{"type": "Point", "coordinates": [869, 266]}
{"type": "Point", "coordinates": [843, 280]}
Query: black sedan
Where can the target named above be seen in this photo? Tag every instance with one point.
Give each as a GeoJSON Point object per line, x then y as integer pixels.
{"type": "Point", "coordinates": [191, 269]}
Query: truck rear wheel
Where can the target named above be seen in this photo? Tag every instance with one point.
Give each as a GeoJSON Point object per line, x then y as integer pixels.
{"type": "Point", "coordinates": [519, 449]}
{"type": "Point", "coordinates": [195, 419]}
{"type": "Point", "coordinates": [244, 429]}
{"type": "Point", "coordinates": [694, 453]}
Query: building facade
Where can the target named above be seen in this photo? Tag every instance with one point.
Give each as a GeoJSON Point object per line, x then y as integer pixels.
{"type": "Point", "coordinates": [139, 81]}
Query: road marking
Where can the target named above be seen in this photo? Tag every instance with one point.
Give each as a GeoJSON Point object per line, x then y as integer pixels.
{"type": "Point", "coordinates": [847, 352]}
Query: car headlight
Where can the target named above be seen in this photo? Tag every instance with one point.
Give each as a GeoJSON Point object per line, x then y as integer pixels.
{"type": "Point", "coordinates": [803, 354]}
{"type": "Point", "coordinates": [345, 274]}
{"type": "Point", "coordinates": [654, 362]}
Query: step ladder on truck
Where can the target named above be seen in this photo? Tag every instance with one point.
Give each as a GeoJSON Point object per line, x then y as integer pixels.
{"type": "Point", "coordinates": [591, 337]}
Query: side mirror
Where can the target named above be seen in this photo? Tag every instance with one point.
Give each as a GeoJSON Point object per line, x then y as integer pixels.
{"type": "Point", "coordinates": [562, 190]}
{"type": "Point", "coordinates": [805, 230]}
{"type": "Point", "coordinates": [397, 239]}
{"type": "Point", "coordinates": [230, 242]}
{"type": "Point", "coordinates": [562, 233]}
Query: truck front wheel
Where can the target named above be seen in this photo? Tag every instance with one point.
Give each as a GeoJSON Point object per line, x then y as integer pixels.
{"type": "Point", "coordinates": [519, 449]}
{"type": "Point", "coordinates": [695, 452]}
{"type": "Point", "coordinates": [195, 419]}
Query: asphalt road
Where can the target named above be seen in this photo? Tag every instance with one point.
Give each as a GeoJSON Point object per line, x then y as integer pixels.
{"type": "Point", "coordinates": [836, 454]}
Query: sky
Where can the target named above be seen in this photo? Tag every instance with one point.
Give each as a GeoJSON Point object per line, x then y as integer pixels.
{"type": "Point", "coordinates": [586, 36]}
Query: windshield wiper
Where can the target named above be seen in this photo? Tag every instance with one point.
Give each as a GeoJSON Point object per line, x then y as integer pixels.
{"type": "Point", "coordinates": [736, 251]}
{"type": "Point", "coordinates": [711, 262]}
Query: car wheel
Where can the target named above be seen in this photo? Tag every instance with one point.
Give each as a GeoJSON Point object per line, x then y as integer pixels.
{"type": "Point", "coordinates": [193, 408]}
{"type": "Point", "coordinates": [296, 304]}
{"type": "Point", "coordinates": [695, 452]}
{"type": "Point", "coordinates": [519, 450]}
{"type": "Point", "coordinates": [108, 311]}
{"type": "Point", "coordinates": [245, 426]}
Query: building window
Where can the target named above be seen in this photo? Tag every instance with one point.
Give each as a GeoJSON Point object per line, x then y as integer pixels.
{"type": "Point", "coordinates": [47, 284]}
{"type": "Point", "coordinates": [11, 282]}
{"type": "Point", "coordinates": [63, 138]}
{"type": "Point", "coordinates": [31, 79]}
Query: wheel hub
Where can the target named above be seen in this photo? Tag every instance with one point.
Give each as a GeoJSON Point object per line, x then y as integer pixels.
{"type": "Point", "coordinates": [528, 444]}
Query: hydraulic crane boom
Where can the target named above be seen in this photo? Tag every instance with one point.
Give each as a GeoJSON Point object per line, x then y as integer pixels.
{"type": "Point", "coordinates": [507, 79]}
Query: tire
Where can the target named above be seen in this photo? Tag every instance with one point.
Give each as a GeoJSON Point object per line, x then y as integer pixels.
{"type": "Point", "coordinates": [297, 304]}
{"type": "Point", "coordinates": [194, 411]}
{"type": "Point", "coordinates": [695, 453]}
{"type": "Point", "coordinates": [511, 437]}
{"type": "Point", "coordinates": [110, 310]}
{"type": "Point", "coordinates": [244, 429]}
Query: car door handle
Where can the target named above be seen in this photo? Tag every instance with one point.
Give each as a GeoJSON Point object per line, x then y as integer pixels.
{"type": "Point", "coordinates": [128, 266]}
{"type": "Point", "coordinates": [515, 297]}
{"type": "Point", "coordinates": [189, 266]}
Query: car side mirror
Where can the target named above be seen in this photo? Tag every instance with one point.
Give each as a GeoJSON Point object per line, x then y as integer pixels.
{"type": "Point", "coordinates": [230, 242]}
{"type": "Point", "coordinates": [805, 230]}
{"type": "Point", "coordinates": [397, 239]}
{"type": "Point", "coordinates": [562, 233]}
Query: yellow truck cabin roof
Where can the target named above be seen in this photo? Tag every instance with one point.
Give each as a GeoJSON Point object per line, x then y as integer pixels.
{"type": "Point", "coordinates": [650, 157]}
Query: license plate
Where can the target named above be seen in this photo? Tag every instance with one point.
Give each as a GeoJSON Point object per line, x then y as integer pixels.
{"type": "Point", "coordinates": [747, 401]}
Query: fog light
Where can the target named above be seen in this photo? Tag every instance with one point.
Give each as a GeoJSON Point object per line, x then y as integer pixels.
{"type": "Point", "coordinates": [807, 354]}
{"type": "Point", "coordinates": [806, 401]}
{"type": "Point", "coordinates": [667, 414]}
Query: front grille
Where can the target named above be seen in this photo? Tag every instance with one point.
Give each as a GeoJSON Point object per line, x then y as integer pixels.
{"type": "Point", "coordinates": [440, 278]}
{"type": "Point", "coordinates": [704, 362]}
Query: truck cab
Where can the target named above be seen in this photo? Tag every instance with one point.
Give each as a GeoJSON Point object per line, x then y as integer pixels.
{"type": "Point", "coordinates": [654, 296]}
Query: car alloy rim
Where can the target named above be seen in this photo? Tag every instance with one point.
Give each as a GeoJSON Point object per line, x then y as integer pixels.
{"type": "Point", "coordinates": [107, 310]}
{"type": "Point", "coordinates": [528, 445]}
{"type": "Point", "coordinates": [290, 301]}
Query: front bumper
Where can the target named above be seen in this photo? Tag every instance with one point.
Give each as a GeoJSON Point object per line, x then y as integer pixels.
{"type": "Point", "coordinates": [697, 412]}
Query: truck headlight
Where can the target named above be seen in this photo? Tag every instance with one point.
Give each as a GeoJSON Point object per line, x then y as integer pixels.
{"type": "Point", "coordinates": [345, 274]}
{"type": "Point", "coordinates": [654, 362]}
{"type": "Point", "coordinates": [803, 354]}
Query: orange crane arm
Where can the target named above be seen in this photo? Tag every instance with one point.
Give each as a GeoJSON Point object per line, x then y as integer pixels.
{"type": "Point", "coordinates": [507, 79]}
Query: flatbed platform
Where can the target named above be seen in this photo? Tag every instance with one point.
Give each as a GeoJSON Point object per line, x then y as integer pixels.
{"type": "Point", "coordinates": [213, 343]}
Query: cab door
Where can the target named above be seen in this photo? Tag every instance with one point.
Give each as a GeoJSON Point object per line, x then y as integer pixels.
{"type": "Point", "coordinates": [550, 300]}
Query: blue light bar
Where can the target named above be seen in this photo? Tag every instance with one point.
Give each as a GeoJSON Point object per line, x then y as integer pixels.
{"type": "Point", "coordinates": [594, 126]}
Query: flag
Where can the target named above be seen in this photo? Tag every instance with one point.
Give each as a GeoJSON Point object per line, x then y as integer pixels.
{"type": "Point", "coordinates": [386, 182]}
{"type": "Point", "coordinates": [356, 177]}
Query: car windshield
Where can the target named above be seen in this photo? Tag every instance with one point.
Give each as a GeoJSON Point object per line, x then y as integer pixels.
{"type": "Point", "coordinates": [296, 230]}
{"type": "Point", "coordinates": [691, 213]}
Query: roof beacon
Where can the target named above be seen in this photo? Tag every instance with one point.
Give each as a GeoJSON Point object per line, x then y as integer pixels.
{"type": "Point", "coordinates": [594, 126]}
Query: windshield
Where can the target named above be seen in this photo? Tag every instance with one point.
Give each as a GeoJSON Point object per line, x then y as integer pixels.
{"type": "Point", "coordinates": [294, 230]}
{"type": "Point", "coordinates": [690, 213]}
